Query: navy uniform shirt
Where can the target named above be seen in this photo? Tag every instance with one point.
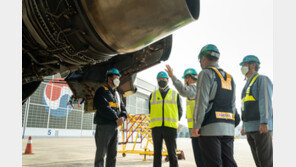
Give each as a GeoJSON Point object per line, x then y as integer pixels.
{"type": "Point", "coordinates": [105, 113]}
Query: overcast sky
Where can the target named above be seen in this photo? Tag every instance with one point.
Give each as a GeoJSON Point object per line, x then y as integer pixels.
{"type": "Point", "coordinates": [237, 28]}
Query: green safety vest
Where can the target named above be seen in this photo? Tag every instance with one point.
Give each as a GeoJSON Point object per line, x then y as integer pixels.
{"type": "Point", "coordinates": [190, 104]}
{"type": "Point", "coordinates": [167, 106]}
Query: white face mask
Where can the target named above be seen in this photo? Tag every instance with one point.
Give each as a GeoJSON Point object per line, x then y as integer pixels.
{"type": "Point", "coordinates": [116, 82]}
{"type": "Point", "coordinates": [244, 70]}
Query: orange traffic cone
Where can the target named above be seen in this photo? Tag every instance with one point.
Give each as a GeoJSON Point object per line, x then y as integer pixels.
{"type": "Point", "coordinates": [29, 149]}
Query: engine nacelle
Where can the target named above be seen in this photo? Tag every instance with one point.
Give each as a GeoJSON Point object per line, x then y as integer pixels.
{"type": "Point", "coordinates": [130, 25]}
{"type": "Point", "coordinates": [62, 36]}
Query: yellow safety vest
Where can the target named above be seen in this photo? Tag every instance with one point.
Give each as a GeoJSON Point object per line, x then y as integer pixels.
{"type": "Point", "coordinates": [167, 106]}
{"type": "Point", "coordinates": [190, 104]}
{"type": "Point", "coordinates": [248, 97]}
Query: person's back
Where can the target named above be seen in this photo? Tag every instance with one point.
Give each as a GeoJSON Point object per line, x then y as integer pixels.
{"type": "Point", "coordinates": [217, 101]}
{"type": "Point", "coordinates": [215, 115]}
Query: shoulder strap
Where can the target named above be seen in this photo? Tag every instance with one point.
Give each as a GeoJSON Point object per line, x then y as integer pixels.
{"type": "Point", "coordinates": [225, 84]}
{"type": "Point", "coordinates": [254, 79]}
{"type": "Point", "coordinates": [251, 83]}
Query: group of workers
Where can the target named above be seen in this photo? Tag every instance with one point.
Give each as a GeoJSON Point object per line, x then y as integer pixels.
{"type": "Point", "coordinates": [210, 111]}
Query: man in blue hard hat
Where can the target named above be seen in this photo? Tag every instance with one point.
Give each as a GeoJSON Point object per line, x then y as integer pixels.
{"type": "Point", "coordinates": [257, 111]}
{"type": "Point", "coordinates": [110, 114]}
{"type": "Point", "coordinates": [165, 113]}
{"type": "Point", "coordinates": [215, 115]}
{"type": "Point", "coordinates": [189, 91]}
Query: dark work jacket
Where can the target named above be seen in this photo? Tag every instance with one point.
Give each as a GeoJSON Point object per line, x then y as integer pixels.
{"type": "Point", "coordinates": [222, 103]}
{"type": "Point", "coordinates": [107, 114]}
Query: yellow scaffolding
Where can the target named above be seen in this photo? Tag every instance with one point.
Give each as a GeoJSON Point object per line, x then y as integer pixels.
{"type": "Point", "coordinates": [139, 125]}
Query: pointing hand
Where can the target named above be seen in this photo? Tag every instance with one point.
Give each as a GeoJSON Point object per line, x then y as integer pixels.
{"type": "Point", "coordinates": [169, 70]}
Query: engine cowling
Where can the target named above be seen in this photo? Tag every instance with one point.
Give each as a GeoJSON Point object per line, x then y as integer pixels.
{"type": "Point", "coordinates": [62, 36]}
{"type": "Point", "coordinates": [81, 32]}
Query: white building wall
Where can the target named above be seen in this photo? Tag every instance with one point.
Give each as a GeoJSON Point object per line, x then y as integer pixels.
{"type": "Point", "coordinates": [44, 117]}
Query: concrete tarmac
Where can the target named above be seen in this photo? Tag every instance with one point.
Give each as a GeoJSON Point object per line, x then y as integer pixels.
{"type": "Point", "coordinates": [80, 152]}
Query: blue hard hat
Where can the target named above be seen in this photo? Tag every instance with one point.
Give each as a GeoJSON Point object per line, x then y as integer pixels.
{"type": "Point", "coordinates": [162, 74]}
{"type": "Point", "coordinates": [250, 58]}
{"type": "Point", "coordinates": [209, 49]}
{"type": "Point", "coordinates": [189, 71]}
{"type": "Point", "coordinates": [113, 71]}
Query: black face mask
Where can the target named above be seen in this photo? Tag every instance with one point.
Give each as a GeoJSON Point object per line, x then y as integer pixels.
{"type": "Point", "coordinates": [162, 84]}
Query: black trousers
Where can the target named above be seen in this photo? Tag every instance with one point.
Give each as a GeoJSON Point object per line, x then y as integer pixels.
{"type": "Point", "coordinates": [169, 135]}
{"type": "Point", "coordinates": [217, 151]}
{"type": "Point", "coordinates": [106, 142]}
{"type": "Point", "coordinates": [261, 147]}
{"type": "Point", "coordinates": [197, 152]}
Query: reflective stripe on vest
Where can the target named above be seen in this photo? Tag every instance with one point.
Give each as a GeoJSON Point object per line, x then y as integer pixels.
{"type": "Point", "coordinates": [112, 104]}
{"type": "Point", "coordinates": [170, 107]}
{"type": "Point", "coordinates": [249, 97]}
{"type": "Point", "coordinates": [189, 112]}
